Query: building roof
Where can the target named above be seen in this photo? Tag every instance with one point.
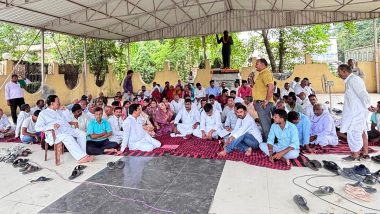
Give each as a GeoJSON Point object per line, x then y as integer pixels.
{"type": "Point", "coordinates": [139, 20]}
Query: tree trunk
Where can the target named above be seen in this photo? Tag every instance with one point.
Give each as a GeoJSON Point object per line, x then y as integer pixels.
{"type": "Point", "coordinates": [269, 50]}
{"type": "Point", "coordinates": [281, 51]}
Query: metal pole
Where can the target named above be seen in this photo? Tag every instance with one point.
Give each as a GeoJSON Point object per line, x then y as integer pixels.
{"type": "Point", "coordinates": [376, 55]}
{"type": "Point", "coordinates": [204, 47]}
{"type": "Point", "coordinates": [85, 66]}
{"type": "Point", "coordinates": [42, 61]}
{"type": "Point", "coordinates": [18, 62]}
{"type": "Point", "coordinates": [129, 57]}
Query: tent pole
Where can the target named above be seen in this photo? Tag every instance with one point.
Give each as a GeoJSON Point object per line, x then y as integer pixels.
{"type": "Point", "coordinates": [376, 55]}
{"type": "Point", "coordinates": [85, 66]}
{"type": "Point", "coordinates": [129, 56]}
{"type": "Point", "coordinates": [42, 61]}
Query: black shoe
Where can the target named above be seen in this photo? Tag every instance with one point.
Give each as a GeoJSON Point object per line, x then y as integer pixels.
{"type": "Point", "coordinates": [332, 167]}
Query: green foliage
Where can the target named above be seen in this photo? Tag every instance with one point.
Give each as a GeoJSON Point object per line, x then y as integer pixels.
{"type": "Point", "coordinates": [354, 34]}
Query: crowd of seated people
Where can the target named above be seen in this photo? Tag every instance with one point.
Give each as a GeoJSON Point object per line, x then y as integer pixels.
{"type": "Point", "coordinates": [90, 126]}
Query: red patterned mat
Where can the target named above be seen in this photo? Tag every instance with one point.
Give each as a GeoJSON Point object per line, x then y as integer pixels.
{"type": "Point", "coordinates": [10, 139]}
{"type": "Point", "coordinates": [198, 148]}
{"type": "Point", "coordinates": [342, 148]}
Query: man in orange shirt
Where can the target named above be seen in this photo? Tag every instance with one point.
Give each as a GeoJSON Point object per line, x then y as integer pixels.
{"type": "Point", "coordinates": [262, 93]}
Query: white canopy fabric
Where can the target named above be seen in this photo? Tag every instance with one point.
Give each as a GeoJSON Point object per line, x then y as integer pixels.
{"type": "Point", "coordinates": [139, 20]}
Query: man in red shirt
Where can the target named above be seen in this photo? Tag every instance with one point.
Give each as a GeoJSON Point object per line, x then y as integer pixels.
{"type": "Point", "coordinates": [244, 90]}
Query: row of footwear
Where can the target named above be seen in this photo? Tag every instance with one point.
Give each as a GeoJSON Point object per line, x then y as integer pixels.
{"type": "Point", "coordinates": [25, 167]}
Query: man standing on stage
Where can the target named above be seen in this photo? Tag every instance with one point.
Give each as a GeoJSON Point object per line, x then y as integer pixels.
{"type": "Point", "coordinates": [226, 49]}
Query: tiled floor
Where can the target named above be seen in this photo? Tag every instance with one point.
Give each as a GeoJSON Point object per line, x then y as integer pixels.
{"type": "Point", "coordinates": [173, 185]}
{"type": "Point", "coordinates": [146, 185]}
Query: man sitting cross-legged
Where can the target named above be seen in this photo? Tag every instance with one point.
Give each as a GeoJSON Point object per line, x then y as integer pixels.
{"type": "Point", "coordinates": [309, 109]}
{"type": "Point", "coordinates": [134, 136]}
{"type": "Point", "coordinates": [98, 132]}
{"type": "Point", "coordinates": [52, 118]}
{"type": "Point", "coordinates": [210, 125]}
{"type": "Point", "coordinates": [189, 117]}
{"type": "Point", "coordinates": [116, 123]}
{"type": "Point", "coordinates": [303, 125]}
{"type": "Point", "coordinates": [323, 131]}
{"type": "Point", "coordinates": [28, 131]}
{"type": "Point", "coordinates": [374, 133]}
{"type": "Point", "coordinates": [283, 140]}
{"type": "Point", "coordinates": [246, 135]}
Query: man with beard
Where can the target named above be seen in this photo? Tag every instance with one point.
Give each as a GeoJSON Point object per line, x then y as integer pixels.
{"type": "Point", "coordinates": [246, 135]}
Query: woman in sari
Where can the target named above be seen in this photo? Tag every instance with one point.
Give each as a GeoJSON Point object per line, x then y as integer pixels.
{"type": "Point", "coordinates": [178, 90]}
{"type": "Point", "coordinates": [152, 108]}
{"type": "Point", "coordinates": [156, 95]}
{"type": "Point", "coordinates": [146, 124]}
{"type": "Point", "coordinates": [163, 120]}
{"type": "Point", "coordinates": [171, 93]}
{"type": "Point", "coordinates": [186, 91]}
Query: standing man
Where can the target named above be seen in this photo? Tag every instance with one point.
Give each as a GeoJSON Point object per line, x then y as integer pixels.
{"type": "Point", "coordinates": [127, 86]}
{"type": "Point", "coordinates": [262, 93]}
{"type": "Point", "coordinates": [355, 114]}
{"type": "Point", "coordinates": [226, 49]}
{"type": "Point", "coordinates": [14, 95]}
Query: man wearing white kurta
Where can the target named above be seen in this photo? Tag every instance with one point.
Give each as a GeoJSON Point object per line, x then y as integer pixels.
{"type": "Point", "coordinates": [228, 108]}
{"type": "Point", "coordinates": [211, 124]}
{"type": "Point", "coordinates": [355, 113]}
{"type": "Point", "coordinates": [189, 117]}
{"type": "Point", "coordinates": [309, 109]}
{"type": "Point", "coordinates": [246, 135]}
{"type": "Point", "coordinates": [323, 131]}
{"type": "Point", "coordinates": [24, 113]}
{"type": "Point", "coordinates": [134, 136]}
{"type": "Point", "coordinates": [116, 123]}
{"type": "Point", "coordinates": [73, 139]}
{"type": "Point", "coordinates": [176, 104]}
{"type": "Point", "coordinates": [303, 87]}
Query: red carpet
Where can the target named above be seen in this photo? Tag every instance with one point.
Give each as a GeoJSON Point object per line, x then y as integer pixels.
{"type": "Point", "coordinates": [198, 148]}
{"type": "Point", "coordinates": [342, 148]}
{"type": "Point", "coordinates": [10, 139]}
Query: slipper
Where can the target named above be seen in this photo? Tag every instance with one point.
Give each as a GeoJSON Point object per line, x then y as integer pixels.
{"type": "Point", "coordinates": [350, 174]}
{"type": "Point", "coordinates": [20, 162]}
{"type": "Point", "coordinates": [119, 164]}
{"type": "Point", "coordinates": [301, 202]}
{"type": "Point", "coordinates": [365, 187]}
{"type": "Point", "coordinates": [314, 165]}
{"type": "Point", "coordinates": [376, 159]}
{"type": "Point", "coordinates": [332, 167]}
{"type": "Point", "coordinates": [80, 167]}
{"type": "Point", "coordinates": [25, 167]}
{"type": "Point", "coordinates": [357, 192]}
{"type": "Point", "coordinates": [376, 174]}
{"type": "Point", "coordinates": [324, 190]}
{"type": "Point", "coordinates": [111, 165]}
{"type": "Point", "coordinates": [31, 169]}
{"type": "Point", "coordinates": [41, 179]}
{"type": "Point", "coordinates": [75, 174]}
{"type": "Point", "coordinates": [28, 151]}
{"type": "Point", "coordinates": [370, 179]}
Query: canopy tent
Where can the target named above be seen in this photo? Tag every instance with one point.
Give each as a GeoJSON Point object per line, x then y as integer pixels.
{"type": "Point", "coordinates": [138, 20]}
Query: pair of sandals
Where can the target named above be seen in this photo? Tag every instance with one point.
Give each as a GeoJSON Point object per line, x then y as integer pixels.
{"type": "Point", "coordinates": [20, 163]}
{"type": "Point", "coordinates": [29, 168]}
{"type": "Point", "coordinates": [332, 167]}
{"type": "Point", "coordinates": [314, 165]}
{"type": "Point", "coordinates": [116, 165]}
{"type": "Point", "coordinates": [376, 158]}
{"type": "Point", "coordinates": [26, 152]}
{"type": "Point", "coordinates": [78, 170]}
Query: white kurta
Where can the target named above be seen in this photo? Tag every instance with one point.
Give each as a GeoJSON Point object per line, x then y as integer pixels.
{"type": "Point", "coordinates": [116, 126]}
{"type": "Point", "coordinates": [216, 106]}
{"type": "Point", "coordinates": [284, 92]}
{"type": "Point", "coordinates": [298, 89]}
{"type": "Point", "coordinates": [176, 106]}
{"type": "Point", "coordinates": [20, 119]}
{"type": "Point", "coordinates": [309, 111]}
{"type": "Point", "coordinates": [4, 122]}
{"type": "Point", "coordinates": [135, 137]}
{"type": "Point", "coordinates": [188, 119]}
{"type": "Point", "coordinates": [324, 128]}
{"type": "Point", "coordinates": [199, 93]}
{"type": "Point", "coordinates": [247, 125]}
{"type": "Point", "coordinates": [211, 122]}
{"type": "Point", "coordinates": [225, 112]}
{"type": "Point", "coordinates": [355, 111]}
{"type": "Point", "coordinates": [65, 133]}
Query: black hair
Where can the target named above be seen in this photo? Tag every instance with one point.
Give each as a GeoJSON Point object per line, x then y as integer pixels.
{"type": "Point", "coordinates": [23, 107]}
{"type": "Point", "coordinates": [345, 67]}
{"type": "Point", "coordinates": [224, 91]}
{"type": "Point", "coordinates": [133, 107]}
{"type": "Point", "coordinates": [312, 95]}
{"type": "Point", "coordinates": [212, 81]}
{"type": "Point", "coordinates": [244, 81]}
{"type": "Point", "coordinates": [51, 99]}
{"type": "Point", "coordinates": [211, 96]}
{"type": "Point", "coordinates": [207, 107]}
{"type": "Point", "coordinates": [187, 100]}
{"type": "Point", "coordinates": [38, 101]}
{"type": "Point", "coordinates": [98, 109]}
{"type": "Point", "coordinates": [293, 97]}
{"type": "Point", "coordinates": [36, 113]}
{"type": "Point", "coordinates": [281, 113]}
{"type": "Point", "coordinates": [129, 72]}
{"type": "Point", "coordinates": [292, 116]}
{"type": "Point", "coordinates": [291, 94]}
{"type": "Point", "coordinates": [233, 91]}
{"type": "Point", "coordinates": [198, 84]}
{"type": "Point", "coordinates": [115, 103]}
{"type": "Point", "coordinates": [117, 108]}
{"type": "Point", "coordinates": [241, 106]}
{"type": "Point", "coordinates": [263, 61]}
{"type": "Point", "coordinates": [14, 75]}
{"type": "Point", "coordinates": [75, 107]}
{"type": "Point", "coordinates": [229, 97]}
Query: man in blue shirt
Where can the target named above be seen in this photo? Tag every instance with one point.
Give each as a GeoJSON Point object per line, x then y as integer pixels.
{"type": "Point", "coordinates": [98, 131]}
{"type": "Point", "coordinates": [303, 125]}
{"type": "Point", "coordinates": [283, 142]}
{"type": "Point", "coordinates": [212, 90]}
